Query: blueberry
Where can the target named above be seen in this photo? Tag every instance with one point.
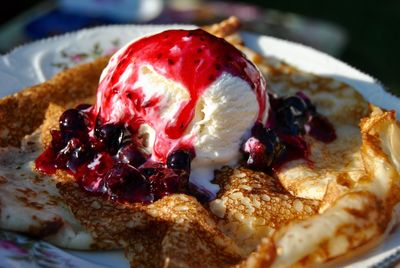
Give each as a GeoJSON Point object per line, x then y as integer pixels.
{"type": "Point", "coordinates": [293, 128]}
{"type": "Point", "coordinates": [72, 155]}
{"type": "Point", "coordinates": [129, 154]}
{"type": "Point", "coordinates": [125, 182]}
{"type": "Point", "coordinates": [310, 107]}
{"type": "Point", "coordinates": [147, 172]}
{"type": "Point", "coordinates": [179, 159]}
{"type": "Point", "coordinates": [258, 130]}
{"type": "Point", "coordinates": [271, 135]}
{"type": "Point", "coordinates": [111, 135]}
{"type": "Point", "coordinates": [57, 141]}
{"type": "Point", "coordinates": [263, 148]}
{"type": "Point", "coordinates": [290, 115]}
{"type": "Point", "coordinates": [166, 181]}
{"type": "Point", "coordinates": [72, 120]}
{"type": "Point", "coordinates": [127, 137]}
{"type": "Point", "coordinates": [289, 121]}
{"type": "Point", "coordinates": [298, 106]}
{"type": "Point", "coordinates": [301, 110]}
{"type": "Point", "coordinates": [78, 156]}
{"type": "Point", "coordinates": [285, 115]}
{"type": "Point", "coordinates": [257, 157]}
{"type": "Point", "coordinates": [266, 135]}
{"type": "Point", "coordinates": [96, 145]}
{"type": "Point", "coordinates": [92, 176]}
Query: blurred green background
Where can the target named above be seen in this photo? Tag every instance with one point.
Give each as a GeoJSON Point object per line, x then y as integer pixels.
{"type": "Point", "coordinates": [373, 30]}
{"type": "Point", "coordinates": [372, 27]}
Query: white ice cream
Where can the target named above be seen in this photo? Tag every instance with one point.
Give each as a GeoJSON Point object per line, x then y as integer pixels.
{"type": "Point", "coordinates": [224, 114]}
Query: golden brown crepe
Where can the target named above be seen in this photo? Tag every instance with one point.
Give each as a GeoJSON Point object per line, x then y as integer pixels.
{"type": "Point", "coordinates": [303, 215]}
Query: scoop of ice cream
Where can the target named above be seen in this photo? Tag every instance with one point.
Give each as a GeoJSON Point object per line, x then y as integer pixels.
{"type": "Point", "coordinates": [184, 90]}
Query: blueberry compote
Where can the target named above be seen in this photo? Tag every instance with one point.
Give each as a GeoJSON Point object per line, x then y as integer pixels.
{"type": "Point", "coordinates": [282, 138]}
{"type": "Point", "coordinates": [108, 159]}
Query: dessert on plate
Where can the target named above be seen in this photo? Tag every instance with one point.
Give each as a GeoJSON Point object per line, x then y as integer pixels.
{"type": "Point", "coordinates": [186, 148]}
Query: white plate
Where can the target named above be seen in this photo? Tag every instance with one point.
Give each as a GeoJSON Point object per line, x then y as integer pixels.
{"type": "Point", "coordinates": [37, 62]}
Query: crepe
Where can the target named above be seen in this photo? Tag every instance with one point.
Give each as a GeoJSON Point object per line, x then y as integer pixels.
{"type": "Point", "coordinates": [359, 218]}
{"type": "Point", "coordinates": [342, 105]}
{"type": "Point", "coordinates": [345, 198]}
{"type": "Point", "coordinates": [30, 202]}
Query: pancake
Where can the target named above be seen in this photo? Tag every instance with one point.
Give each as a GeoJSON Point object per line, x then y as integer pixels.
{"type": "Point", "coordinates": [253, 205]}
{"type": "Point", "coordinates": [23, 112]}
{"type": "Point", "coordinates": [342, 105]}
{"type": "Point", "coordinates": [346, 197]}
{"type": "Point", "coordinates": [30, 202]}
{"type": "Point", "coordinates": [358, 219]}
{"type": "Point", "coordinates": [330, 162]}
